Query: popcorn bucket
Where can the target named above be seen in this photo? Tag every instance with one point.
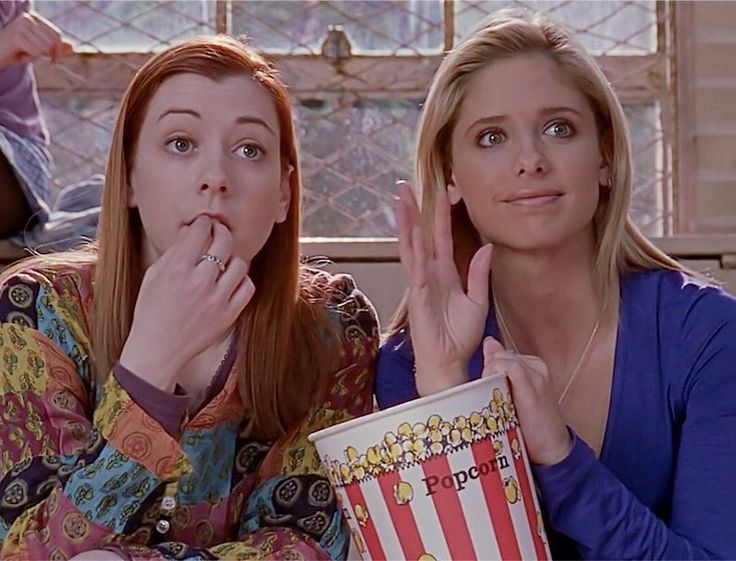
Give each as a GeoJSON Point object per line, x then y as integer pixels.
{"type": "Point", "coordinates": [442, 477]}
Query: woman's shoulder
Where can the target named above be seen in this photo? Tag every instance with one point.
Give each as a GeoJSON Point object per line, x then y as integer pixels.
{"type": "Point", "coordinates": [46, 302]}
{"type": "Point", "coordinates": [686, 314]}
{"type": "Point", "coordinates": [59, 279]}
{"type": "Point", "coordinates": [398, 342]}
{"type": "Point", "coordinates": [344, 302]}
{"type": "Point", "coordinates": [677, 292]}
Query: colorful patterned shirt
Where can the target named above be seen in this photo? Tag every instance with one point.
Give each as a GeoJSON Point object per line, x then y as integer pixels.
{"type": "Point", "coordinates": [84, 467]}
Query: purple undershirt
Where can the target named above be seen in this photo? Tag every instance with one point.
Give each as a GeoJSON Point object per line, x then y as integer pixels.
{"type": "Point", "coordinates": [169, 409]}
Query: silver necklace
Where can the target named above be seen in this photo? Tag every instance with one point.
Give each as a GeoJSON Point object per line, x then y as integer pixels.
{"type": "Point", "coordinates": [578, 366]}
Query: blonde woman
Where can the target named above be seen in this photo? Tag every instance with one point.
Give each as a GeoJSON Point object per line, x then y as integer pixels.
{"type": "Point", "coordinates": [522, 260]}
{"type": "Point", "coordinates": [157, 392]}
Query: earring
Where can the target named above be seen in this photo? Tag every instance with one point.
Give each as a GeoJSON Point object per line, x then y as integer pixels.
{"type": "Point", "coordinates": [453, 195]}
{"type": "Point", "coordinates": [608, 186]}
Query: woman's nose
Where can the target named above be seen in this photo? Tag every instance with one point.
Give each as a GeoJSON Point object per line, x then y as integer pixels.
{"type": "Point", "coordinates": [531, 160]}
{"type": "Point", "coordinates": [213, 177]}
{"type": "Point", "coordinates": [214, 185]}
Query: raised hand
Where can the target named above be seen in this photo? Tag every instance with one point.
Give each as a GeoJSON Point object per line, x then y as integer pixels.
{"type": "Point", "coordinates": [545, 433]}
{"type": "Point", "coordinates": [446, 322]}
{"type": "Point", "coordinates": [187, 302]}
{"type": "Point", "coordinates": [29, 37]}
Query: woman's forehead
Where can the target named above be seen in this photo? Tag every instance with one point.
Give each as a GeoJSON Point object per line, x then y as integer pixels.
{"type": "Point", "coordinates": [522, 83]}
{"type": "Point", "coordinates": [234, 94]}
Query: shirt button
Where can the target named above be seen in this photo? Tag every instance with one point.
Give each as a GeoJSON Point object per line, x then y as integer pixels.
{"type": "Point", "coordinates": [168, 503]}
{"type": "Point", "coordinates": [162, 526]}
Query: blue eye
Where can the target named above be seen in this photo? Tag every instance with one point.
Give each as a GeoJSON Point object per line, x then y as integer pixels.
{"type": "Point", "coordinates": [559, 129]}
{"type": "Point", "coordinates": [179, 145]}
{"type": "Point", "coordinates": [491, 138]}
{"type": "Point", "coordinates": [249, 151]}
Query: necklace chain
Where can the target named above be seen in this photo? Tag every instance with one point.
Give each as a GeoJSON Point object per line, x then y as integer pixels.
{"type": "Point", "coordinates": [578, 366]}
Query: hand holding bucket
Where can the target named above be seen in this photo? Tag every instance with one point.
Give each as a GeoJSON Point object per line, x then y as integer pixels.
{"type": "Point", "coordinates": [442, 477]}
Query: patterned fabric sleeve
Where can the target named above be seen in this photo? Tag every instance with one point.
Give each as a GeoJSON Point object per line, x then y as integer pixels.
{"type": "Point", "coordinates": [61, 466]}
{"type": "Point", "coordinates": [293, 513]}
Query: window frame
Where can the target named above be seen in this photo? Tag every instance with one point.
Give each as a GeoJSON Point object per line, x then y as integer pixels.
{"type": "Point", "coordinates": [648, 78]}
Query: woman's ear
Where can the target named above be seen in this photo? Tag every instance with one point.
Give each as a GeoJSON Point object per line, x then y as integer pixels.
{"type": "Point", "coordinates": [605, 179]}
{"type": "Point", "coordinates": [132, 199]}
{"type": "Point", "coordinates": [453, 193]}
{"type": "Point", "coordinates": [605, 172]}
{"type": "Point", "coordinates": [284, 194]}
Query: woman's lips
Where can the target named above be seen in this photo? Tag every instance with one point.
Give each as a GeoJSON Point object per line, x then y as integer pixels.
{"type": "Point", "coordinates": [538, 198]}
{"type": "Point", "coordinates": [214, 216]}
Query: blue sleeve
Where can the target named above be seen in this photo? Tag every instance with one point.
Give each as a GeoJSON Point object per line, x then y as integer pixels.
{"type": "Point", "coordinates": [395, 381]}
{"type": "Point", "coordinates": [586, 502]}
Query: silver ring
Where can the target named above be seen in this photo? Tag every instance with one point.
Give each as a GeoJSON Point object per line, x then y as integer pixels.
{"type": "Point", "coordinates": [213, 259]}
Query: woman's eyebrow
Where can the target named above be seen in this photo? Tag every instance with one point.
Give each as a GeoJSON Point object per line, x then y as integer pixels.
{"type": "Point", "coordinates": [560, 109]}
{"type": "Point", "coordinates": [177, 110]}
{"type": "Point", "coordinates": [248, 119]}
{"type": "Point", "coordinates": [486, 121]}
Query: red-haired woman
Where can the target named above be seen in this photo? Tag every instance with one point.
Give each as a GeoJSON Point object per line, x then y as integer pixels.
{"type": "Point", "coordinates": [157, 390]}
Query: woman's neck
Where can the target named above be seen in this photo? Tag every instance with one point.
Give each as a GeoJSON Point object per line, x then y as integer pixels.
{"type": "Point", "coordinates": [548, 300]}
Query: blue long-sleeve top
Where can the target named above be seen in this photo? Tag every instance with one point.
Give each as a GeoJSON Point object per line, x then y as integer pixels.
{"type": "Point", "coordinates": [664, 486]}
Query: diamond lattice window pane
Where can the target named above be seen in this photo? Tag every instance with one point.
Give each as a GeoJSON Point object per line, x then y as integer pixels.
{"type": "Point", "coordinates": [148, 25]}
{"type": "Point", "coordinates": [352, 151]}
{"type": "Point", "coordinates": [80, 129]}
{"type": "Point", "coordinates": [299, 27]}
{"type": "Point", "coordinates": [351, 160]}
{"type": "Point", "coordinates": [647, 206]}
{"type": "Point", "coordinates": [604, 27]}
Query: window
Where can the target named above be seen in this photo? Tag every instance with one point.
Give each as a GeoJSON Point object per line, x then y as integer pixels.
{"type": "Point", "coordinates": [357, 88]}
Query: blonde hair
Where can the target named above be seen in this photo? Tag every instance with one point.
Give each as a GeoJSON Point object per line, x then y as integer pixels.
{"type": "Point", "coordinates": [287, 311]}
{"type": "Point", "coordinates": [508, 33]}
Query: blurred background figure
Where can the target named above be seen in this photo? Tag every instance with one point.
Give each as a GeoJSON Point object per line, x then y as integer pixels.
{"type": "Point", "coordinates": [30, 215]}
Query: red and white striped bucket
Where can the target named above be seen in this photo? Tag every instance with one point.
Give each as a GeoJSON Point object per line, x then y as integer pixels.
{"type": "Point", "coordinates": [442, 477]}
